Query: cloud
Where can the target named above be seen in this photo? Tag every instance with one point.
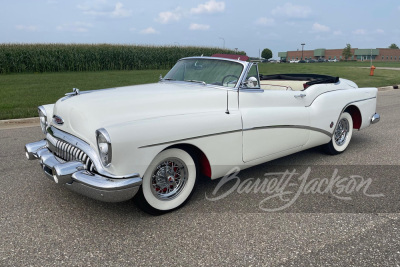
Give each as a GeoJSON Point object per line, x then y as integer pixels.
{"type": "Point", "coordinates": [74, 27]}
{"type": "Point", "coordinates": [168, 16]}
{"type": "Point", "coordinates": [100, 8]}
{"type": "Point", "coordinates": [292, 11]}
{"type": "Point", "coordinates": [337, 33]}
{"type": "Point", "coordinates": [120, 11]}
{"type": "Point", "coordinates": [320, 28]}
{"type": "Point", "coordinates": [201, 27]}
{"type": "Point", "coordinates": [28, 28]}
{"type": "Point", "coordinates": [380, 31]}
{"type": "Point", "coordinates": [209, 7]}
{"type": "Point", "coordinates": [263, 21]}
{"type": "Point", "coordinates": [360, 32]}
{"type": "Point", "coordinates": [149, 30]}
{"type": "Point", "coordinates": [132, 29]}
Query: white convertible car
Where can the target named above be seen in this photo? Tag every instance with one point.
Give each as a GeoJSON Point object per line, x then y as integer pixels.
{"type": "Point", "coordinates": [208, 114]}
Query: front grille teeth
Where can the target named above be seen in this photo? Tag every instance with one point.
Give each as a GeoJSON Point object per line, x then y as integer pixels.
{"type": "Point", "coordinates": [69, 152]}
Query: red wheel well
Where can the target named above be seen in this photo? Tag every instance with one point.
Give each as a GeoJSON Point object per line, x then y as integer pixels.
{"type": "Point", "coordinates": [205, 167]}
{"type": "Point", "coordinates": [355, 115]}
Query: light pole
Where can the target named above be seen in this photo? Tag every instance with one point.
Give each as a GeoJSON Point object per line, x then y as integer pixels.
{"type": "Point", "coordinates": [223, 40]}
{"type": "Point", "coordinates": [371, 57]}
{"type": "Point", "coordinates": [302, 48]}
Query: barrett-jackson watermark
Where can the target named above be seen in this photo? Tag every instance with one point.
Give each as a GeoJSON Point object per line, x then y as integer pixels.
{"type": "Point", "coordinates": [287, 186]}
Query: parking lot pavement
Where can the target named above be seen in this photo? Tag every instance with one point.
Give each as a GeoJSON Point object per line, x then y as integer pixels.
{"type": "Point", "coordinates": [44, 224]}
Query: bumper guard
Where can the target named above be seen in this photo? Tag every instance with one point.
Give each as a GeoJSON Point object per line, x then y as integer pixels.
{"type": "Point", "coordinates": [375, 118]}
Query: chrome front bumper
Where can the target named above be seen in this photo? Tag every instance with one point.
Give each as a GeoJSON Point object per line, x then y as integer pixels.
{"type": "Point", "coordinates": [73, 175]}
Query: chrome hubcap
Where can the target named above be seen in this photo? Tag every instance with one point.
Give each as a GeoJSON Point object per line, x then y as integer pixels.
{"type": "Point", "coordinates": [168, 179]}
{"type": "Point", "coordinates": [341, 132]}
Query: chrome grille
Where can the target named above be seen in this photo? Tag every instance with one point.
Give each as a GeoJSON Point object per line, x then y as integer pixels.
{"type": "Point", "coordinates": [68, 152]}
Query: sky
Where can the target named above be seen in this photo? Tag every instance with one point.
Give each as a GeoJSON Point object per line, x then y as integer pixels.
{"type": "Point", "coordinates": [248, 25]}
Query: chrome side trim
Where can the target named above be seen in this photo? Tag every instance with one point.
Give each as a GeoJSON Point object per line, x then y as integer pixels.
{"type": "Point", "coordinates": [291, 127]}
{"type": "Point", "coordinates": [348, 104]}
{"type": "Point", "coordinates": [242, 130]}
{"type": "Point", "coordinates": [190, 138]}
{"type": "Point", "coordinates": [322, 94]}
{"type": "Point", "coordinates": [244, 90]}
{"type": "Point", "coordinates": [335, 91]}
{"type": "Point", "coordinates": [86, 148]}
{"type": "Point", "coordinates": [69, 95]}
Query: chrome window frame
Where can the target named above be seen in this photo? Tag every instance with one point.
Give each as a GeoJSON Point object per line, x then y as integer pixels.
{"type": "Point", "coordinates": [245, 65]}
{"type": "Point", "coordinates": [247, 89]}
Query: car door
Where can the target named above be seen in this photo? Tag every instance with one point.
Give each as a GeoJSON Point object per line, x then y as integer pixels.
{"type": "Point", "coordinates": [273, 120]}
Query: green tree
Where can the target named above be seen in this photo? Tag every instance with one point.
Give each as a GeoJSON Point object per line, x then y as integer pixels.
{"type": "Point", "coordinates": [393, 46]}
{"type": "Point", "coordinates": [347, 52]}
{"type": "Point", "coordinates": [266, 53]}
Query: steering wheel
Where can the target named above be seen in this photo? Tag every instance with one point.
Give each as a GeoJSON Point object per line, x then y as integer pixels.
{"type": "Point", "coordinates": [230, 75]}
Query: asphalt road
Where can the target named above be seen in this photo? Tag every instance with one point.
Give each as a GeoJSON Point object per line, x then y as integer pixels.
{"type": "Point", "coordinates": [43, 224]}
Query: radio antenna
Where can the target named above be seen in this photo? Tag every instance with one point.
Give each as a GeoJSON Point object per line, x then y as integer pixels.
{"type": "Point", "coordinates": [227, 102]}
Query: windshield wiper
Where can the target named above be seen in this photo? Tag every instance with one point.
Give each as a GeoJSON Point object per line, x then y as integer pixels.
{"type": "Point", "coordinates": [194, 81]}
{"type": "Point", "coordinates": [168, 79]}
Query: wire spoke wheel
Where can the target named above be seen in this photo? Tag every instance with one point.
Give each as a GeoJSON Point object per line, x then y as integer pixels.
{"type": "Point", "coordinates": [169, 178]}
{"type": "Point", "coordinates": [341, 131]}
{"type": "Point", "coordinates": [168, 182]}
{"type": "Point", "coordinates": [341, 135]}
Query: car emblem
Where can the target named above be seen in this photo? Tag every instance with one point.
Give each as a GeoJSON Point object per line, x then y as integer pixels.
{"type": "Point", "coordinates": [58, 120]}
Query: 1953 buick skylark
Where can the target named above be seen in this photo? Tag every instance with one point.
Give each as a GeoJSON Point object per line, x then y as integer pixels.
{"type": "Point", "coordinates": [152, 142]}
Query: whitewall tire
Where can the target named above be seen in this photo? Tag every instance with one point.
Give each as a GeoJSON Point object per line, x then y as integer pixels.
{"type": "Point", "coordinates": [168, 182]}
{"type": "Point", "coordinates": [342, 135]}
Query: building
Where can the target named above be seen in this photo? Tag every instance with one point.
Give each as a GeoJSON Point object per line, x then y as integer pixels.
{"type": "Point", "coordinates": [377, 54]}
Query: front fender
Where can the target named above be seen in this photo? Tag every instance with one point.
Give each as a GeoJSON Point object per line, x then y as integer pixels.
{"type": "Point", "coordinates": [135, 144]}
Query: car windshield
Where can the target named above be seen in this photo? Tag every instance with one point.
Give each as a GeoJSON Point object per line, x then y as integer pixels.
{"type": "Point", "coordinates": [207, 71]}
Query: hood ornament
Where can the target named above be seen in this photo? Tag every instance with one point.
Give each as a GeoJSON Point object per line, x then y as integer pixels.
{"type": "Point", "coordinates": [75, 91]}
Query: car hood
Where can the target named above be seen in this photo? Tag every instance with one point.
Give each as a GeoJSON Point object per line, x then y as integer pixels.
{"type": "Point", "coordinates": [88, 111]}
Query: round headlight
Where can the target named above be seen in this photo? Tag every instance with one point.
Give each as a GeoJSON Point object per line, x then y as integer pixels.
{"type": "Point", "coordinates": [43, 119]}
{"type": "Point", "coordinates": [104, 146]}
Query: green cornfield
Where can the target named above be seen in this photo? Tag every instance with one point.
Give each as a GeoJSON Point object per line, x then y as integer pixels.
{"type": "Point", "coordinates": [31, 58]}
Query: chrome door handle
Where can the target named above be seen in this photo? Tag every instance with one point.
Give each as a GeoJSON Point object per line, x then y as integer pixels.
{"type": "Point", "coordinates": [300, 96]}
